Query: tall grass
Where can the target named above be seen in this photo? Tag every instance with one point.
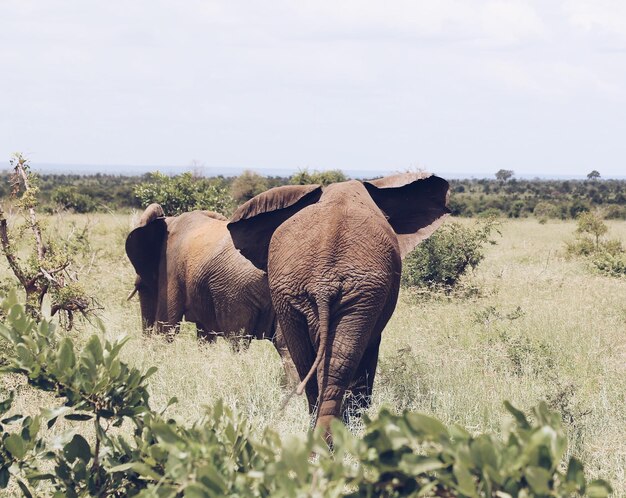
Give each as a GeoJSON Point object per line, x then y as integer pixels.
{"type": "Point", "coordinates": [540, 327]}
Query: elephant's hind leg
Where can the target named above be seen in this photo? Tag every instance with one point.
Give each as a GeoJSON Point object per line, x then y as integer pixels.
{"type": "Point", "coordinates": [359, 396]}
{"type": "Point", "coordinates": [295, 332]}
{"type": "Point", "coordinates": [344, 354]}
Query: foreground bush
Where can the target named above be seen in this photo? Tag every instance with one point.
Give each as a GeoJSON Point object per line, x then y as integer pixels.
{"type": "Point", "coordinates": [398, 455]}
{"type": "Point", "coordinates": [447, 255]}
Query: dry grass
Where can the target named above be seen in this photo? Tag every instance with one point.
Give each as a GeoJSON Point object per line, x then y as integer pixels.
{"type": "Point", "coordinates": [541, 327]}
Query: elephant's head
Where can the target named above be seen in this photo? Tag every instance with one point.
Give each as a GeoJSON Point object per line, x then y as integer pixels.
{"type": "Point", "coordinates": [143, 248]}
{"type": "Point", "coordinates": [414, 204]}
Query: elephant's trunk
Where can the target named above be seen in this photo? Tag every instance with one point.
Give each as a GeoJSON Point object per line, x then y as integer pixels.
{"type": "Point", "coordinates": [323, 330]}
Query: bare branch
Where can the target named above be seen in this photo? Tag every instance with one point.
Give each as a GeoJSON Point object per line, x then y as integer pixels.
{"type": "Point", "coordinates": [9, 251]}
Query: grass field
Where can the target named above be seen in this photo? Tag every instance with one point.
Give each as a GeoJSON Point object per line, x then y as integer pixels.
{"type": "Point", "coordinates": [539, 326]}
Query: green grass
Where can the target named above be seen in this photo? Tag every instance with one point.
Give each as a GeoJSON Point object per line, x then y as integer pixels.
{"type": "Point", "coordinates": [540, 327]}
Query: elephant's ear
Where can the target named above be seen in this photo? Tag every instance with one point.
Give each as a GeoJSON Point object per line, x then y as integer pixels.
{"type": "Point", "coordinates": [144, 243]}
{"type": "Point", "coordinates": [253, 223]}
{"type": "Point", "coordinates": [415, 205]}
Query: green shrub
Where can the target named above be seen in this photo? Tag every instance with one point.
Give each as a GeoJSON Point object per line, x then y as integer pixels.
{"type": "Point", "coordinates": [591, 223]}
{"type": "Point", "coordinates": [544, 210]}
{"type": "Point", "coordinates": [606, 256]}
{"type": "Point", "coordinates": [441, 260]}
{"type": "Point", "coordinates": [68, 197]}
{"type": "Point", "coordinates": [398, 455]}
{"type": "Point", "coordinates": [181, 193]}
{"type": "Point", "coordinates": [613, 265]}
{"type": "Point", "coordinates": [580, 246]}
{"type": "Point", "coordinates": [614, 212]}
{"type": "Point", "coordinates": [247, 185]}
{"type": "Point", "coordinates": [303, 177]}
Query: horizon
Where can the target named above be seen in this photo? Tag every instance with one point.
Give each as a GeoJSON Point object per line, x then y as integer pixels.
{"type": "Point", "coordinates": [202, 170]}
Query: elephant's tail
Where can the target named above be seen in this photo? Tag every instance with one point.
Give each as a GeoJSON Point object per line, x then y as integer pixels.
{"type": "Point", "coordinates": [322, 309]}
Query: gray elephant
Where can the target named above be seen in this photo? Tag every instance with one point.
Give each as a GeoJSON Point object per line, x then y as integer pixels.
{"type": "Point", "coordinates": [187, 266]}
{"type": "Point", "coordinates": [334, 258]}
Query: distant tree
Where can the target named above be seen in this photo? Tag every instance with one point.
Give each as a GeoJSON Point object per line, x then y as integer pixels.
{"type": "Point", "coordinates": [303, 177]}
{"type": "Point", "coordinates": [594, 175]}
{"type": "Point", "coordinates": [504, 174]}
{"type": "Point", "coordinates": [68, 197]}
{"type": "Point", "coordinates": [247, 185]}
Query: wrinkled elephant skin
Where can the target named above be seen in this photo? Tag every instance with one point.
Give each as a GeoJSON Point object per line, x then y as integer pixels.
{"type": "Point", "coordinates": [334, 258]}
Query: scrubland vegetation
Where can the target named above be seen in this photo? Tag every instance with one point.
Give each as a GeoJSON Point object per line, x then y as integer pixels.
{"type": "Point", "coordinates": [538, 318]}
{"type": "Point", "coordinates": [510, 198]}
{"type": "Point", "coordinates": [530, 324]}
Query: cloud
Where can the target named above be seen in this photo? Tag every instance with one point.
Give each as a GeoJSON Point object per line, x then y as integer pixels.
{"type": "Point", "coordinates": [603, 20]}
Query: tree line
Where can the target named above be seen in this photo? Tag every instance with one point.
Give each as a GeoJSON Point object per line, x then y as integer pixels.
{"type": "Point", "coordinates": [504, 197]}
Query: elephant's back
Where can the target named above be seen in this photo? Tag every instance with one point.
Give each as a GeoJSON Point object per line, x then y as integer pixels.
{"type": "Point", "coordinates": [194, 238]}
{"type": "Point", "coordinates": [342, 241]}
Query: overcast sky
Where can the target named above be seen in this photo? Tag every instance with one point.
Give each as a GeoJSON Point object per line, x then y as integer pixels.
{"type": "Point", "coordinates": [538, 87]}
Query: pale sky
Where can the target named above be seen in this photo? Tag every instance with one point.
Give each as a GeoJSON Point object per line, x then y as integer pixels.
{"type": "Point", "coordinates": [538, 87]}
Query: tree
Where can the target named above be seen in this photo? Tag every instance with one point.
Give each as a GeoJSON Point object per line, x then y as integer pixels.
{"type": "Point", "coordinates": [181, 193]}
{"type": "Point", "coordinates": [504, 174]}
{"type": "Point", "coordinates": [247, 185]}
{"type": "Point", "coordinates": [303, 177]}
{"type": "Point", "coordinates": [47, 267]}
{"type": "Point", "coordinates": [591, 223]}
{"type": "Point", "coordinates": [68, 197]}
{"type": "Point", "coordinates": [594, 175]}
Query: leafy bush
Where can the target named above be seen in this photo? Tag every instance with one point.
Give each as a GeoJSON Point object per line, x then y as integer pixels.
{"type": "Point", "coordinates": [591, 223]}
{"type": "Point", "coordinates": [303, 177]}
{"type": "Point", "coordinates": [399, 455]}
{"type": "Point", "coordinates": [68, 197]}
{"type": "Point", "coordinates": [614, 212]}
{"type": "Point", "coordinates": [181, 193]}
{"type": "Point", "coordinates": [613, 265]}
{"type": "Point", "coordinates": [441, 260]}
{"type": "Point", "coordinates": [247, 185]}
{"type": "Point", "coordinates": [46, 269]}
{"type": "Point", "coordinates": [606, 256]}
{"type": "Point", "coordinates": [544, 210]}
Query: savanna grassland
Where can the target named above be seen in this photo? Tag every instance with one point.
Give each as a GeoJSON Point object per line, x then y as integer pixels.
{"type": "Point", "coordinates": [531, 324]}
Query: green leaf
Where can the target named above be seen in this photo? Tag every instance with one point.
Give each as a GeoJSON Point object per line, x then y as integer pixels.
{"type": "Point", "coordinates": [428, 427]}
{"type": "Point", "coordinates": [416, 465]}
{"type": "Point", "coordinates": [65, 356]}
{"type": "Point", "coordinates": [4, 477]}
{"type": "Point", "coordinates": [212, 479]}
{"type": "Point", "coordinates": [599, 489]}
{"type": "Point", "coordinates": [79, 448]}
{"type": "Point", "coordinates": [10, 420]}
{"type": "Point", "coordinates": [466, 484]}
{"type": "Point", "coordinates": [78, 416]}
{"type": "Point", "coordinates": [518, 415]}
{"type": "Point", "coordinates": [197, 490]}
{"type": "Point", "coordinates": [575, 473]}
{"type": "Point", "coordinates": [24, 489]}
{"type": "Point", "coordinates": [165, 432]}
{"type": "Point", "coordinates": [539, 479]}
{"type": "Point", "coordinates": [15, 445]}
{"type": "Point", "coordinates": [94, 346]}
{"type": "Point", "coordinates": [140, 468]}
{"type": "Point", "coordinates": [483, 452]}
{"type": "Point", "coordinates": [5, 405]}
{"type": "Point", "coordinates": [151, 371]}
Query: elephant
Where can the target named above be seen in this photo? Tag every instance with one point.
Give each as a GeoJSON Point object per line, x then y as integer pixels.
{"type": "Point", "coordinates": [333, 256]}
{"type": "Point", "coordinates": [187, 266]}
